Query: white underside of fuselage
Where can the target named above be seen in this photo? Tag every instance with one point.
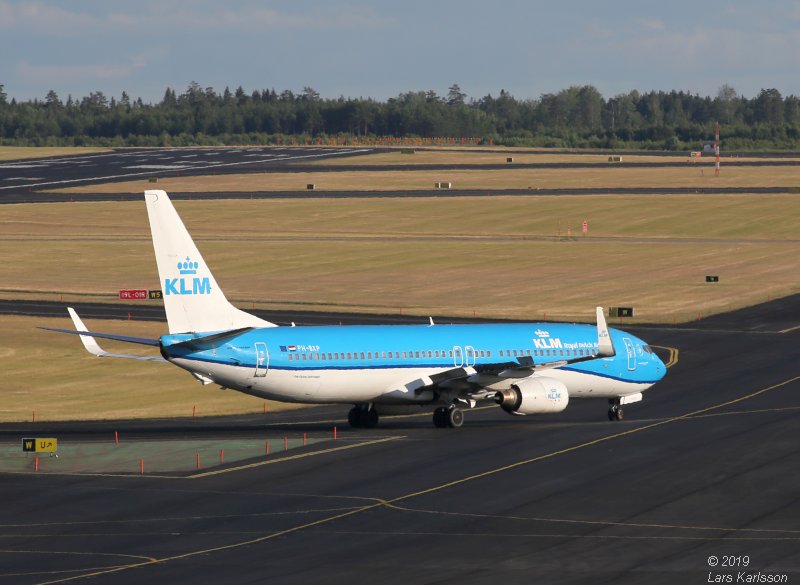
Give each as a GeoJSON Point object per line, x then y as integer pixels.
{"type": "Point", "coordinates": [378, 385]}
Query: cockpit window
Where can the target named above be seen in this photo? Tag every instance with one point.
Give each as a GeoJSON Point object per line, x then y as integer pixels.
{"type": "Point", "coordinates": [647, 349]}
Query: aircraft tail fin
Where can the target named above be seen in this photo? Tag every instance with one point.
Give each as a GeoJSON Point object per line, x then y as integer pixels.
{"type": "Point", "coordinates": [193, 300]}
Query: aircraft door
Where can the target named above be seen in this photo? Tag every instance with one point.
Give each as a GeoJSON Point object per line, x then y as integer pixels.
{"type": "Point", "coordinates": [458, 357]}
{"type": "Point", "coordinates": [469, 353]}
{"type": "Point", "coordinates": [262, 359]}
{"type": "Point", "coordinates": [631, 353]}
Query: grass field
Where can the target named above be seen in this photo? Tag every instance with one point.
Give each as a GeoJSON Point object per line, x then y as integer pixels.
{"type": "Point", "coordinates": [520, 156]}
{"type": "Point", "coordinates": [20, 152]}
{"type": "Point", "coordinates": [53, 375]}
{"type": "Point", "coordinates": [604, 179]}
{"type": "Point", "coordinates": [485, 256]}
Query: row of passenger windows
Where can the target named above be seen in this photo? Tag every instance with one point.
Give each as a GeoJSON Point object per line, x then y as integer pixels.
{"type": "Point", "coordinates": [355, 355]}
{"type": "Point", "coordinates": [423, 354]}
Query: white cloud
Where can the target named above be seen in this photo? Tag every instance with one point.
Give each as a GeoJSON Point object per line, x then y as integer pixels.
{"type": "Point", "coordinates": [56, 75]}
{"type": "Point", "coordinates": [198, 15]}
{"type": "Point", "coordinates": [40, 17]}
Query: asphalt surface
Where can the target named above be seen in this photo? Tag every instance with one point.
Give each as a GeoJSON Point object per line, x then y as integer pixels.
{"type": "Point", "coordinates": [20, 176]}
{"type": "Point", "coordinates": [705, 468]}
{"type": "Point", "coordinates": [24, 181]}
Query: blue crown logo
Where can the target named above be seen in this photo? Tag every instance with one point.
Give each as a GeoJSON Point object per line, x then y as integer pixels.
{"type": "Point", "coordinates": [188, 267]}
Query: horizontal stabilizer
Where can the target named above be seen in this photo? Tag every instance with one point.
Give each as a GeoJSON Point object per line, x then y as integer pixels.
{"type": "Point", "coordinates": [85, 335]}
{"type": "Point", "coordinates": [91, 345]}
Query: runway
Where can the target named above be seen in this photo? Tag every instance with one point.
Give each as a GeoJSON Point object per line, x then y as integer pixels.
{"type": "Point", "coordinates": [28, 180]}
{"type": "Point", "coordinates": [704, 468]}
{"type": "Point", "coordinates": [20, 176]}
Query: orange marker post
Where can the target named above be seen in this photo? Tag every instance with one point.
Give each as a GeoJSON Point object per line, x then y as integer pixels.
{"type": "Point", "coordinates": [197, 460]}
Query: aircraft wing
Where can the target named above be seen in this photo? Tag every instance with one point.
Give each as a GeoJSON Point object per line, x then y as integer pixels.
{"type": "Point", "coordinates": [519, 367]}
{"type": "Point", "coordinates": [91, 345]}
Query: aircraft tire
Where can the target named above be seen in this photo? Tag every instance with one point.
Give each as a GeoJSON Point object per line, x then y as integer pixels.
{"type": "Point", "coordinates": [455, 418]}
{"type": "Point", "coordinates": [354, 417]}
{"type": "Point", "coordinates": [615, 413]}
{"type": "Point", "coordinates": [440, 418]}
{"type": "Point", "coordinates": [369, 418]}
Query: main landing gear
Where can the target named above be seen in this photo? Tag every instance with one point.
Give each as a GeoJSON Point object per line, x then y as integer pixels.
{"type": "Point", "coordinates": [363, 416]}
{"type": "Point", "coordinates": [448, 416]}
{"type": "Point", "coordinates": [615, 411]}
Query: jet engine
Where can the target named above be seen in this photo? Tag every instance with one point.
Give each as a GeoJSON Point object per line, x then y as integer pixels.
{"type": "Point", "coordinates": [534, 395]}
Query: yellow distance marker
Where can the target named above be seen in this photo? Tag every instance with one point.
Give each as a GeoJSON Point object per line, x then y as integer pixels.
{"type": "Point", "coordinates": [39, 445]}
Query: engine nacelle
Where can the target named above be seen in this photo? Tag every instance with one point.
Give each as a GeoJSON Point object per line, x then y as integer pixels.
{"type": "Point", "coordinates": [534, 396]}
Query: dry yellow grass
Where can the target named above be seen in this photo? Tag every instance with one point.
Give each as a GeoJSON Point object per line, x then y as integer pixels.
{"type": "Point", "coordinates": [497, 257]}
{"type": "Point", "coordinates": [520, 156]}
{"type": "Point", "coordinates": [53, 375]}
{"type": "Point", "coordinates": [603, 179]}
{"type": "Point", "coordinates": [20, 152]}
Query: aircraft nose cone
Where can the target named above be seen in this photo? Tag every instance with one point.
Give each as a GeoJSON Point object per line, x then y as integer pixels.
{"type": "Point", "coordinates": [661, 369]}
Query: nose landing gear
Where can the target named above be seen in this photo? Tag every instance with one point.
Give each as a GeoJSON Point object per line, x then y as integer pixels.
{"type": "Point", "coordinates": [615, 411]}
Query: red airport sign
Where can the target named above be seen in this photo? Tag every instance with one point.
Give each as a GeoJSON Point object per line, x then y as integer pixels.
{"type": "Point", "coordinates": [133, 295]}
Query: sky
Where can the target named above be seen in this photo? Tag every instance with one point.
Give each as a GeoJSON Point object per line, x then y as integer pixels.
{"type": "Point", "coordinates": [382, 48]}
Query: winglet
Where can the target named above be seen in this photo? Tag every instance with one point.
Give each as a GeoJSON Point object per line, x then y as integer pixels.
{"type": "Point", "coordinates": [605, 346]}
{"type": "Point", "coordinates": [94, 348]}
{"type": "Point", "coordinates": [88, 341]}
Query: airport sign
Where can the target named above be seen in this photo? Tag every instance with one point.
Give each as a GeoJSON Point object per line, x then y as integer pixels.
{"type": "Point", "coordinates": [39, 445]}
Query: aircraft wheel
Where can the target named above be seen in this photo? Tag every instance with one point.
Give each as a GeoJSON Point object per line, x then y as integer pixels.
{"type": "Point", "coordinates": [455, 417]}
{"type": "Point", "coordinates": [615, 413]}
{"type": "Point", "coordinates": [440, 417]}
{"type": "Point", "coordinates": [354, 417]}
{"type": "Point", "coordinates": [369, 418]}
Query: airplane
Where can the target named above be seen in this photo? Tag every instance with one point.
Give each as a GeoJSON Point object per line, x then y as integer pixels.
{"type": "Point", "coordinates": [525, 368]}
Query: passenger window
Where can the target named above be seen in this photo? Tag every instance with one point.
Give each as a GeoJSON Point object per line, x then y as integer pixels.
{"type": "Point", "coordinates": [430, 354]}
{"type": "Point", "coordinates": [450, 353]}
{"type": "Point", "coordinates": [416, 354]}
{"type": "Point", "coordinates": [369, 355]}
{"type": "Point", "coordinates": [436, 353]}
{"type": "Point", "coordinates": [362, 355]}
{"type": "Point", "coordinates": [489, 353]}
{"type": "Point", "coordinates": [349, 355]}
{"type": "Point", "coordinates": [515, 353]}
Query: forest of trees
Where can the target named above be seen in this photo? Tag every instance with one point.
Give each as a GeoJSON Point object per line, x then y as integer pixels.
{"type": "Point", "coordinates": [577, 117]}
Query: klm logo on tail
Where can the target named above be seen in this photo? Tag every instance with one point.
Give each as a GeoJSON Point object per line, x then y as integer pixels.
{"type": "Point", "coordinates": [185, 285]}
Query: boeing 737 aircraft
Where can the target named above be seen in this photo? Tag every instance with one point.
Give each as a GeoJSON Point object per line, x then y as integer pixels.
{"type": "Point", "coordinates": [525, 368]}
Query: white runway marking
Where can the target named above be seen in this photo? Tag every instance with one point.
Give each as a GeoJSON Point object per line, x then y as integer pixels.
{"type": "Point", "coordinates": [159, 167]}
{"type": "Point", "coordinates": [209, 166]}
